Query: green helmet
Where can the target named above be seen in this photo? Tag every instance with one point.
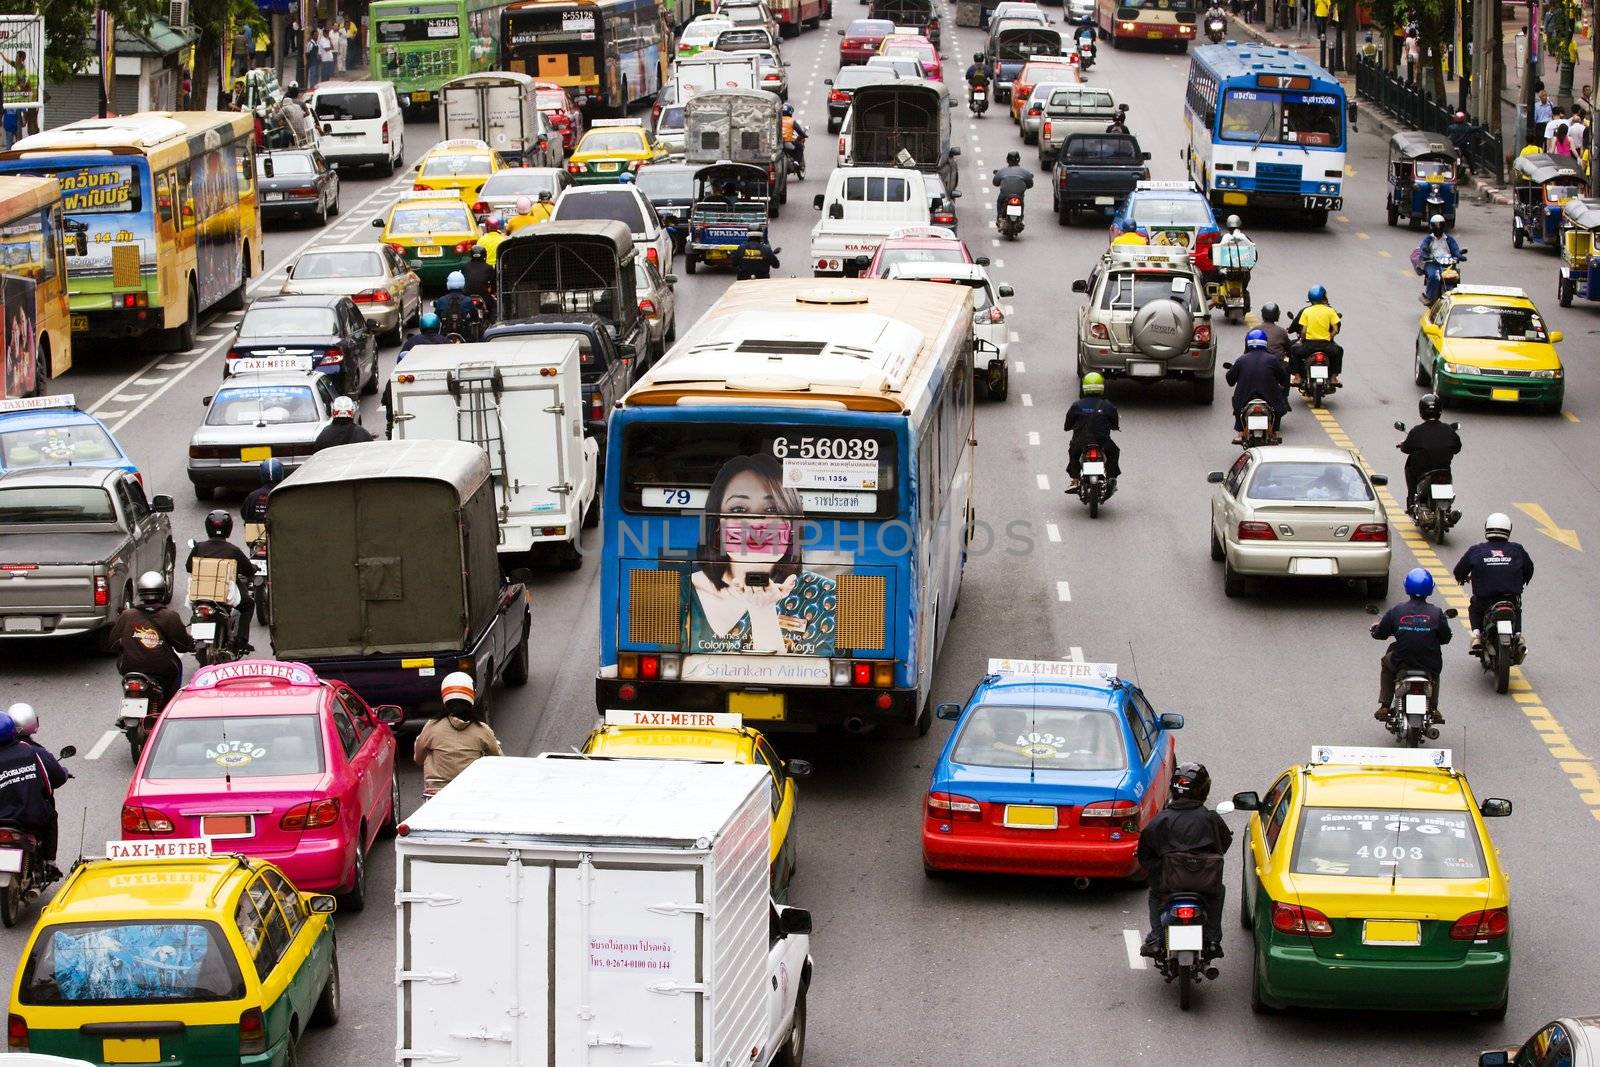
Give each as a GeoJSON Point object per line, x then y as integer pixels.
{"type": "Point", "coordinates": [1094, 384]}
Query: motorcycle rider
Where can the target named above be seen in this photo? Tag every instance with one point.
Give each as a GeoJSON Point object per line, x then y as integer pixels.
{"type": "Point", "coordinates": [493, 234]}
{"type": "Point", "coordinates": [478, 280]}
{"type": "Point", "coordinates": [977, 74]}
{"type": "Point", "coordinates": [294, 115]}
{"type": "Point", "coordinates": [29, 778]}
{"type": "Point", "coordinates": [1317, 324]}
{"type": "Point", "coordinates": [148, 635]}
{"type": "Point", "coordinates": [457, 304]}
{"type": "Point", "coordinates": [1257, 375]}
{"type": "Point", "coordinates": [1235, 252]}
{"type": "Point", "coordinates": [1498, 568]}
{"type": "Point", "coordinates": [1119, 120]}
{"type": "Point", "coordinates": [1420, 630]}
{"type": "Point", "coordinates": [1085, 34]}
{"type": "Point", "coordinates": [449, 744]}
{"type": "Point", "coordinates": [1013, 179]}
{"type": "Point", "coordinates": [1436, 247]}
{"type": "Point", "coordinates": [1090, 420]}
{"type": "Point", "coordinates": [427, 334]}
{"type": "Point", "coordinates": [1215, 12]}
{"type": "Point", "coordinates": [1181, 851]}
{"type": "Point", "coordinates": [344, 429]}
{"type": "Point", "coordinates": [219, 527]}
{"type": "Point", "coordinates": [755, 257]}
{"type": "Point", "coordinates": [254, 508]}
{"type": "Point", "coordinates": [794, 139]}
{"type": "Point", "coordinates": [1277, 339]}
{"type": "Point", "coordinates": [1430, 446]}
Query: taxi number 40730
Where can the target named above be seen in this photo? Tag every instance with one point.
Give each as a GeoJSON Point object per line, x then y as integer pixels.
{"type": "Point", "coordinates": [825, 448]}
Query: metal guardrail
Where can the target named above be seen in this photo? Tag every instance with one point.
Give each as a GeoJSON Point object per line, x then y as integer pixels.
{"type": "Point", "coordinates": [1415, 108]}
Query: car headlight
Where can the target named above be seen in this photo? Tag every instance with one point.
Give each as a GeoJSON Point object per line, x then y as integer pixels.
{"type": "Point", "coordinates": [1457, 368]}
{"type": "Point", "coordinates": [1546, 375]}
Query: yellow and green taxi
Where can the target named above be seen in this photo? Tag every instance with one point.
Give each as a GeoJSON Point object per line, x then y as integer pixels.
{"type": "Point", "coordinates": [712, 737]}
{"type": "Point", "coordinates": [1370, 883]}
{"type": "Point", "coordinates": [612, 148]}
{"type": "Point", "coordinates": [434, 231]}
{"type": "Point", "coordinates": [170, 954]}
{"type": "Point", "coordinates": [1489, 342]}
{"type": "Point", "coordinates": [461, 165]}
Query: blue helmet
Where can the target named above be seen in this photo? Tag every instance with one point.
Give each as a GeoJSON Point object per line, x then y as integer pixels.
{"type": "Point", "coordinates": [271, 471]}
{"type": "Point", "coordinates": [1418, 582]}
{"type": "Point", "coordinates": [429, 321]}
{"type": "Point", "coordinates": [1317, 294]}
{"type": "Point", "coordinates": [457, 281]}
{"type": "Point", "coordinates": [624, 178]}
{"type": "Point", "coordinates": [1256, 338]}
{"type": "Point", "coordinates": [8, 730]}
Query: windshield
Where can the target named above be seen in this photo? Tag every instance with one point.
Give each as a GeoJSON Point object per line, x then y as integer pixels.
{"type": "Point", "coordinates": [703, 32]}
{"type": "Point", "coordinates": [1127, 291]}
{"type": "Point", "coordinates": [445, 218]}
{"type": "Point", "coordinates": [244, 406]}
{"type": "Point", "coordinates": [1309, 483]}
{"type": "Point", "coordinates": [869, 28]}
{"type": "Point", "coordinates": [48, 504]}
{"type": "Point", "coordinates": [612, 141]}
{"type": "Point", "coordinates": [1171, 211]}
{"type": "Point", "coordinates": [284, 165]}
{"type": "Point", "coordinates": [602, 204]}
{"type": "Point", "coordinates": [240, 746]}
{"type": "Point", "coordinates": [1306, 119]}
{"type": "Point", "coordinates": [518, 182]}
{"type": "Point", "coordinates": [1557, 193]}
{"type": "Point", "coordinates": [291, 321]}
{"type": "Point", "coordinates": [1433, 169]}
{"type": "Point", "coordinates": [1490, 323]}
{"type": "Point", "coordinates": [1374, 843]}
{"type": "Point", "coordinates": [1076, 101]}
{"type": "Point", "coordinates": [666, 183]}
{"type": "Point", "coordinates": [671, 119]}
{"type": "Point", "coordinates": [322, 266]}
{"type": "Point", "coordinates": [551, 100]}
{"type": "Point", "coordinates": [456, 166]}
{"type": "Point", "coordinates": [55, 445]}
{"type": "Point", "coordinates": [852, 76]}
{"type": "Point", "coordinates": [348, 106]}
{"type": "Point", "coordinates": [1149, 6]}
{"type": "Point", "coordinates": [123, 962]}
{"type": "Point", "coordinates": [1076, 739]}
{"type": "Point", "coordinates": [891, 256]}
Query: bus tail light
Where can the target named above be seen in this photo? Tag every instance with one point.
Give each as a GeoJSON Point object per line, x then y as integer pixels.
{"type": "Point", "coordinates": [312, 815]}
{"type": "Point", "coordinates": [954, 807]}
{"type": "Point", "coordinates": [142, 820]}
{"type": "Point", "coordinates": [252, 1032]}
{"type": "Point", "coordinates": [135, 300]}
{"type": "Point", "coordinates": [16, 1033]}
{"type": "Point", "coordinates": [649, 666]}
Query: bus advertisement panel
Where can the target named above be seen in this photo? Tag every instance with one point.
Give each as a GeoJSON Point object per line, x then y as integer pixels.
{"type": "Point", "coordinates": [420, 46]}
{"type": "Point", "coordinates": [20, 315]}
{"type": "Point", "coordinates": [35, 335]}
{"type": "Point", "coordinates": [113, 246]}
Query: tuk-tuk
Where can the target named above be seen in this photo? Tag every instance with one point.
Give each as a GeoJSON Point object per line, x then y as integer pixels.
{"type": "Point", "coordinates": [1422, 178]}
{"type": "Point", "coordinates": [1543, 184]}
{"type": "Point", "coordinates": [1580, 240]}
{"type": "Point", "coordinates": [1012, 42]}
{"type": "Point", "coordinates": [580, 265]}
{"type": "Point", "coordinates": [739, 126]}
{"type": "Point", "coordinates": [730, 200]}
{"type": "Point", "coordinates": [922, 15]}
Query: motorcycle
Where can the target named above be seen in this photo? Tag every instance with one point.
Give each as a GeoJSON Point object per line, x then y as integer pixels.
{"type": "Point", "coordinates": [977, 99]}
{"type": "Point", "coordinates": [1449, 274]}
{"type": "Point", "coordinates": [1216, 28]}
{"type": "Point", "coordinates": [1502, 644]}
{"type": "Point", "coordinates": [1094, 488]}
{"type": "Point", "coordinates": [1086, 51]}
{"type": "Point", "coordinates": [1010, 221]}
{"type": "Point", "coordinates": [1317, 383]}
{"type": "Point", "coordinates": [1260, 424]}
{"type": "Point", "coordinates": [260, 585]}
{"type": "Point", "coordinates": [1409, 719]}
{"type": "Point", "coordinates": [1434, 508]}
{"type": "Point", "coordinates": [22, 877]}
{"type": "Point", "coordinates": [795, 150]}
{"type": "Point", "coordinates": [1183, 958]}
{"type": "Point", "coordinates": [213, 628]}
{"type": "Point", "coordinates": [1233, 293]}
{"type": "Point", "coordinates": [142, 701]}
{"type": "Point", "coordinates": [470, 327]}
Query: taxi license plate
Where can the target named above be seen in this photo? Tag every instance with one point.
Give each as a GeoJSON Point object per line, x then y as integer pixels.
{"type": "Point", "coordinates": [131, 1050]}
{"type": "Point", "coordinates": [80, 323]}
{"type": "Point", "coordinates": [256, 454]}
{"type": "Point", "coordinates": [226, 826]}
{"type": "Point", "coordinates": [421, 97]}
{"type": "Point", "coordinates": [1391, 932]}
{"type": "Point", "coordinates": [1503, 394]}
{"type": "Point", "coordinates": [430, 251]}
{"type": "Point", "coordinates": [608, 166]}
{"type": "Point", "coordinates": [1030, 817]}
{"type": "Point", "coordinates": [768, 706]}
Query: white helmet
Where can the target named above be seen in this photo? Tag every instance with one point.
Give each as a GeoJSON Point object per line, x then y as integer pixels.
{"type": "Point", "coordinates": [1497, 527]}
{"type": "Point", "coordinates": [344, 408]}
{"type": "Point", "coordinates": [1436, 220]}
{"type": "Point", "coordinates": [458, 686]}
{"type": "Point", "coordinates": [1233, 222]}
{"type": "Point", "coordinates": [25, 717]}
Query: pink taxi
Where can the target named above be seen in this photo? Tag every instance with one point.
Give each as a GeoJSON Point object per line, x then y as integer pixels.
{"type": "Point", "coordinates": [920, 244]}
{"type": "Point", "coordinates": [917, 47]}
{"type": "Point", "coordinates": [265, 758]}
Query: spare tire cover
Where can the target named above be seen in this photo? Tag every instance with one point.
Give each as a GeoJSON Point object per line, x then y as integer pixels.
{"type": "Point", "coordinates": [1162, 329]}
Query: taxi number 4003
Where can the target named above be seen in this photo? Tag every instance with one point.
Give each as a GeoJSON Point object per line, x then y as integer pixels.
{"type": "Point", "coordinates": [824, 448]}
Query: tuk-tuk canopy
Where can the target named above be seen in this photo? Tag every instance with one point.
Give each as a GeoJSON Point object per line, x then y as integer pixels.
{"type": "Point", "coordinates": [1417, 144]}
{"type": "Point", "coordinates": [741, 125]}
{"type": "Point", "coordinates": [1540, 168]}
{"type": "Point", "coordinates": [1581, 214]}
{"type": "Point", "coordinates": [1020, 40]}
{"type": "Point", "coordinates": [726, 171]}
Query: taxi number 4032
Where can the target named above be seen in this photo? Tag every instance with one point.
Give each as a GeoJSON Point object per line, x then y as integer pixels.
{"type": "Point", "coordinates": [824, 448]}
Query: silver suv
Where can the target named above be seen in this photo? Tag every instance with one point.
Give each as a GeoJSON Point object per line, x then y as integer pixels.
{"type": "Point", "coordinates": [1147, 318]}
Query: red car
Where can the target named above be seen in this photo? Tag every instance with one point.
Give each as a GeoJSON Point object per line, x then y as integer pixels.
{"type": "Point", "coordinates": [861, 40]}
{"type": "Point", "coordinates": [920, 244]}
{"type": "Point", "coordinates": [560, 113]}
{"type": "Point", "coordinates": [265, 758]}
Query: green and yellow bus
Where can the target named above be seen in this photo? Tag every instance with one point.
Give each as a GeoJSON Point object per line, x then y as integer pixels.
{"type": "Point", "coordinates": [421, 45]}
{"type": "Point", "coordinates": [35, 332]}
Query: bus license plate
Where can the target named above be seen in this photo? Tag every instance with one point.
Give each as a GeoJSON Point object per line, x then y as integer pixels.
{"type": "Point", "coordinates": [421, 97]}
{"type": "Point", "coordinates": [80, 323]}
{"type": "Point", "coordinates": [430, 251]}
{"type": "Point", "coordinates": [1322, 203]}
{"type": "Point", "coordinates": [1152, 33]}
{"type": "Point", "coordinates": [767, 706]}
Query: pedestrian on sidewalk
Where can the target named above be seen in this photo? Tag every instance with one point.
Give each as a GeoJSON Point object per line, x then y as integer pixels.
{"type": "Point", "coordinates": [1561, 144]}
{"type": "Point", "coordinates": [352, 34]}
{"type": "Point", "coordinates": [1413, 52]}
{"type": "Point", "coordinates": [312, 60]}
{"type": "Point", "coordinates": [325, 54]}
{"type": "Point", "coordinates": [1543, 107]}
{"type": "Point", "coordinates": [341, 45]}
{"type": "Point", "coordinates": [263, 54]}
{"type": "Point", "coordinates": [1319, 11]}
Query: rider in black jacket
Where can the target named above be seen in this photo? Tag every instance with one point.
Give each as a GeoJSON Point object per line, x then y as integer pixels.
{"type": "Point", "coordinates": [1430, 446]}
{"type": "Point", "coordinates": [344, 429]}
{"type": "Point", "coordinates": [1420, 630]}
{"type": "Point", "coordinates": [219, 527]}
{"type": "Point", "coordinates": [1185, 825]}
{"type": "Point", "coordinates": [1013, 179]}
{"type": "Point", "coordinates": [1498, 568]}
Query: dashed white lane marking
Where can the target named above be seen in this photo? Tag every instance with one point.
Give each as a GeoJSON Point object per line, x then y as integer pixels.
{"type": "Point", "coordinates": [998, 264]}
{"type": "Point", "coordinates": [1022, 368]}
{"type": "Point", "coordinates": [1052, 531]}
{"type": "Point", "coordinates": [1010, 309]}
{"type": "Point", "coordinates": [1075, 653]}
{"type": "Point", "coordinates": [128, 398]}
{"type": "Point", "coordinates": [1131, 940]}
{"type": "Point", "coordinates": [1063, 592]}
{"type": "Point", "coordinates": [1012, 337]}
{"type": "Point", "coordinates": [104, 743]}
{"type": "Point", "coordinates": [1044, 481]}
{"type": "Point", "coordinates": [175, 364]}
{"type": "Point", "coordinates": [148, 381]}
{"type": "Point", "coordinates": [1027, 400]}
{"type": "Point", "coordinates": [1033, 437]}
{"type": "Point", "coordinates": [995, 241]}
{"type": "Point", "coordinates": [99, 414]}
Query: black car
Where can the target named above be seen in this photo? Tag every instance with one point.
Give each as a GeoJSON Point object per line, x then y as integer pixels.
{"type": "Point", "coordinates": [842, 89]}
{"type": "Point", "coordinates": [606, 374]}
{"type": "Point", "coordinates": [329, 330]}
{"type": "Point", "coordinates": [670, 189]}
{"type": "Point", "coordinates": [296, 183]}
{"type": "Point", "coordinates": [1564, 1042]}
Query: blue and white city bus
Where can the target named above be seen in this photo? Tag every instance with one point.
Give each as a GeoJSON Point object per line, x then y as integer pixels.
{"type": "Point", "coordinates": [788, 504]}
{"type": "Point", "coordinates": [1267, 129]}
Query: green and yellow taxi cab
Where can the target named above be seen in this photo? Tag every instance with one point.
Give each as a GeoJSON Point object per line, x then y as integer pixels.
{"type": "Point", "coordinates": [712, 737]}
{"type": "Point", "coordinates": [1370, 883]}
{"type": "Point", "coordinates": [169, 954]}
{"type": "Point", "coordinates": [612, 148]}
{"type": "Point", "coordinates": [461, 165]}
{"type": "Point", "coordinates": [1489, 342]}
{"type": "Point", "coordinates": [434, 231]}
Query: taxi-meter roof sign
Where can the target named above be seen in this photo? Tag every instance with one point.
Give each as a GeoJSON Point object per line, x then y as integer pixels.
{"type": "Point", "coordinates": [253, 670]}
{"type": "Point", "coordinates": [691, 720]}
{"type": "Point", "coordinates": [170, 848]}
{"type": "Point", "coordinates": [1356, 756]}
{"type": "Point", "coordinates": [38, 403]}
{"type": "Point", "coordinates": [1054, 669]}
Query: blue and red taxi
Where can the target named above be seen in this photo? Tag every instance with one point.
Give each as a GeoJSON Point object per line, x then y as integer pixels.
{"type": "Point", "coordinates": [53, 431]}
{"type": "Point", "coordinates": [1170, 213]}
{"type": "Point", "coordinates": [264, 758]}
{"type": "Point", "coordinates": [1053, 768]}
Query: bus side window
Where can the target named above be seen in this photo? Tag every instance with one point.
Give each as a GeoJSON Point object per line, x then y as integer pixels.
{"type": "Point", "coordinates": [48, 264]}
{"type": "Point", "coordinates": [185, 188]}
{"type": "Point", "coordinates": [164, 184]}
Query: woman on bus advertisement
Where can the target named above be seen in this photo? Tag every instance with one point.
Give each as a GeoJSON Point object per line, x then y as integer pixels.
{"type": "Point", "coordinates": [18, 312]}
{"type": "Point", "coordinates": [216, 201]}
{"type": "Point", "coordinates": [752, 592]}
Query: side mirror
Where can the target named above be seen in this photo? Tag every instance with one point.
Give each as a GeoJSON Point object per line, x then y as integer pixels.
{"type": "Point", "coordinates": [1215, 477]}
{"type": "Point", "coordinates": [288, 271]}
{"type": "Point", "coordinates": [794, 921]}
{"type": "Point", "coordinates": [1246, 801]}
{"type": "Point", "coordinates": [1497, 1058]}
{"type": "Point", "coordinates": [827, 81]}
{"type": "Point", "coordinates": [1145, 156]}
{"type": "Point", "coordinates": [839, 32]}
{"type": "Point", "coordinates": [626, 351]}
{"type": "Point", "coordinates": [1080, 286]}
{"type": "Point", "coordinates": [68, 751]}
{"type": "Point", "coordinates": [1227, 366]}
{"type": "Point", "coordinates": [327, 127]}
{"type": "Point", "coordinates": [1400, 426]}
{"type": "Point", "coordinates": [205, 401]}
{"type": "Point", "coordinates": [671, 279]}
{"type": "Point", "coordinates": [955, 194]}
{"type": "Point", "coordinates": [982, 261]}
{"type": "Point", "coordinates": [1380, 479]}
{"type": "Point", "coordinates": [1556, 336]}
{"type": "Point", "coordinates": [797, 768]}
{"type": "Point", "coordinates": [947, 712]}
{"type": "Point", "coordinates": [1495, 808]}
{"type": "Point", "coordinates": [816, 202]}
{"type": "Point", "coordinates": [161, 503]}
{"type": "Point", "coordinates": [378, 223]}
{"type": "Point", "coordinates": [322, 904]}
{"type": "Point", "coordinates": [1006, 291]}
{"type": "Point", "coordinates": [953, 151]}
{"type": "Point", "coordinates": [1171, 720]}
{"type": "Point", "coordinates": [266, 166]}
{"type": "Point", "coordinates": [390, 714]}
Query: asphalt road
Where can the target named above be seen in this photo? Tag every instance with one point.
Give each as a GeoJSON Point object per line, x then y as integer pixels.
{"type": "Point", "coordinates": [1018, 971]}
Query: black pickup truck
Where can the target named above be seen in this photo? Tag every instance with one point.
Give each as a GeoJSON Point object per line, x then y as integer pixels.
{"type": "Point", "coordinates": [1096, 172]}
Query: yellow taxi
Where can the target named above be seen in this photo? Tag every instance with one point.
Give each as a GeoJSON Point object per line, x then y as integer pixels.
{"type": "Point", "coordinates": [1370, 882]}
{"type": "Point", "coordinates": [462, 165]}
{"type": "Point", "coordinates": [712, 737]}
{"type": "Point", "coordinates": [434, 231]}
{"type": "Point", "coordinates": [1489, 342]}
{"type": "Point", "coordinates": [612, 148]}
{"type": "Point", "coordinates": [167, 953]}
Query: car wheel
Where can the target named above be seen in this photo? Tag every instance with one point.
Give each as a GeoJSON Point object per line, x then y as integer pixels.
{"type": "Point", "coordinates": [333, 209]}
{"type": "Point", "coordinates": [291, 1049]}
{"type": "Point", "coordinates": [793, 1052]}
{"type": "Point", "coordinates": [1203, 390]}
{"type": "Point", "coordinates": [1418, 375]}
{"type": "Point", "coordinates": [184, 335]}
{"type": "Point", "coordinates": [322, 213]}
{"type": "Point", "coordinates": [1378, 588]}
{"type": "Point", "coordinates": [202, 492]}
{"type": "Point", "coordinates": [1232, 580]}
{"type": "Point", "coordinates": [1257, 1005]}
{"type": "Point", "coordinates": [1216, 547]}
{"type": "Point", "coordinates": [1496, 1013]}
{"type": "Point", "coordinates": [371, 385]}
{"type": "Point", "coordinates": [392, 823]}
{"type": "Point", "coordinates": [517, 670]}
{"type": "Point", "coordinates": [355, 898]}
{"type": "Point", "coordinates": [326, 1013]}
{"type": "Point", "coordinates": [1244, 890]}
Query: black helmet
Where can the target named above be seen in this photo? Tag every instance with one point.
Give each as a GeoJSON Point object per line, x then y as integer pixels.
{"type": "Point", "coordinates": [977, 57]}
{"type": "Point", "coordinates": [479, 252]}
{"type": "Point", "coordinates": [219, 524]}
{"type": "Point", "coordinates": [1191, 781]}
{"type": "Point", "coordinates": [1269, 313]}
{"type": "Point", "coordinates": [1013, 158]}
{"type": "Point", "coordinates": [1429, 407]}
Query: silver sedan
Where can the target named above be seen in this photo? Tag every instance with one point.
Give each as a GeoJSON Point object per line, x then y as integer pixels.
{"type": "Point", "coordinates": [1302, 513]}
{"type": "Point", "coordinates": [383, 286]}
{"type": "Point", "coordinates": [270, 408]}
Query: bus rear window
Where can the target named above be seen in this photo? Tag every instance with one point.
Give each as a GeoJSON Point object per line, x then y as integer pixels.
{"type": "Point", "coordinates": [122, 962]}
{"type": "Point", "coordinates": [97, 190]}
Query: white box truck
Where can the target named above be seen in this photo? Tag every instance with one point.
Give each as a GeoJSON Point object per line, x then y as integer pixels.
{"type": "Point", "coordinates": [580, 912]}
{"type": "Point", "coordinates": [501, 109]}
{"type": "Point", "coordinates": [521, 401]}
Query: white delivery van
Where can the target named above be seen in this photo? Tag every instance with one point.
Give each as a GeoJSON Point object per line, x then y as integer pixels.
{"type": "Point", "coordinates": [862, 206]}
{"type": "Point", "coordinates": [521, 401]}
{"type": "Point", "coordinates": [579, 912]}
{"type": "Point", "coordinates": [500, 108]}
{"type": "Point", "coordinates": [360, 123]}
{"type": "Point", "coordinates": [711, 70]}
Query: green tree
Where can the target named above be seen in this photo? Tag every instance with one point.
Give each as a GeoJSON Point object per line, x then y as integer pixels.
{"type": "Point", "coordinates": [69, 28]}
{"type": "Point", "coordinates": [212, 19]}
{"type": "Point", "coordinates": [1561, 27]}
{"type": "Point", "coordinates": [1432, 18]}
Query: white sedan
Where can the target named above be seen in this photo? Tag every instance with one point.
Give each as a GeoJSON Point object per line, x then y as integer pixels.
{"type": "Point", "coordinates": [622, 203]}
{"type": "Point", "coordinates": [989, 318]}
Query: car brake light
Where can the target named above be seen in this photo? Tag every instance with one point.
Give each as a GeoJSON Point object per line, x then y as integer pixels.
{"type": "Point", "coordinates": [102, 591]}
{"type": "Point", "coordinates": [1481, 925]}
{"type": "Point", "coordinates": [418, 187]}
{"type": "Point", "coordinates": [597, 407]}
{"type": "Point", "coordinates": [398, 250]}
{"type": "Point", "coordinates": [1036, 109]}
{"type": "Point", "coordinates": [1202, 334]}
{"type": "Point", "coordinates": [574, 168]}
{"type": "Point", "coordinates": [647, 308]}
{"type": "Point", "coordinates": [838, 96]}
{"type": "Point", "coordinates": [19, 566]}
{"type": "Point", "coordinates": [1294, 919]}
{"type": "Point", "coordinates": [480, 208]}
{"type": "Point", "coordinates": [1256, 531]}
{"type": "Point", "coordinates": [1045, 132]}
{"type": "Point", "coordinates": [142, 820]}
{"type": "Point", "coordinates": [954, 807]}
{"type": "Point", "coordinates": [372, 296]}
{"type": "Point", "coordinates": [769, 77]}
{"type": "Point", "coordinates": [1098, 331]}
{"type": "Point", "coordinates": [844, 145]}
{"type": "Point", "coordinates": [304, 190]}
{"type": "Point", "coordinates": [333, 355]}
{"type": "Point", "coordinates": [385, 133]}
{"type": "Point", "coordinates": [16, 1033]}
{"type": "Point", "coordinates": [1110, 815]}
{"type": "Point", "coordinates": [252, 1032]}
{"type": "Point", "coordinates": [463, 247]}
{"type": "Point", "coordinates": [1371, 531]}
{"type": "Point", "coordinates": [312, 815]}
{"type": "Point", "coordinates": [653, 255]}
